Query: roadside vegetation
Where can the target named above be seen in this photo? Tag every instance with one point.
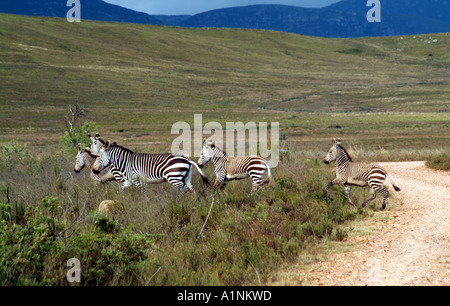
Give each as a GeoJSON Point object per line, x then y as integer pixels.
{"type": "Point", "coordinates": [439, 162]}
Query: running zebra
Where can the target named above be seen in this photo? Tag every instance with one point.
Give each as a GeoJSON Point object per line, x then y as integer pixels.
{"type": "Point", "coordinates": [229, 168]}
{"type": "Point", "coordinates": [85, 158]}
{"type": "Point", "coordinates": [96, 146]}
{"type": "Point", "coordinates": [143, 168]}
{"type": "Point", "coordinates": [357, 174]}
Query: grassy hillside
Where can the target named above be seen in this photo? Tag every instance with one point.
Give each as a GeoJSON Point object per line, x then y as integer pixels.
{"type": "Point", "coordinates": [142, 79]}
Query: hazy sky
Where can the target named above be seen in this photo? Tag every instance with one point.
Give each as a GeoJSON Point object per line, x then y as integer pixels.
{"type": "Point", "coordinates": [190, 7]}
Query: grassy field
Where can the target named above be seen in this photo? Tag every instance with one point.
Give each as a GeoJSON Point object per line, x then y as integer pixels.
{"type": "Point", "coordinates": [141, 79]}
{"type": "Point", "coordinates": [386, 98]}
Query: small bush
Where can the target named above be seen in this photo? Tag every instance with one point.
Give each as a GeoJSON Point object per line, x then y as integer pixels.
{"type": "Point", "coordinates": [439, 162]}
{"type": "Point", "coordinates": [14, 150]}
{"type": "Point", "coordinates": [69, 142]}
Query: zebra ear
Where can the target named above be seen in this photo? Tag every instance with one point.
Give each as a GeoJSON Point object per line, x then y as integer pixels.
{"type": "Point", "coordinates": [80, 147]}
{"type": "Point", "coordinates": [209, 142]}
{"type": "Point", "coordinates": [97, 135]}
{"type": "Point", "coordinates": [338, 142]}
{"type": "Point", "coordinates": [107, 144]}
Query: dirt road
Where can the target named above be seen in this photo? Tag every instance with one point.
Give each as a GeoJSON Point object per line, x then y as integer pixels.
{"type": "Point", "coordinates": [412, 246]}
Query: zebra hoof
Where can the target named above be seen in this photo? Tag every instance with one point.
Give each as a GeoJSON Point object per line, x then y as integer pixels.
{"type": "Point", "coordinates": [383, 206]}
{"type": "Point", "coordinates": [325, 198]}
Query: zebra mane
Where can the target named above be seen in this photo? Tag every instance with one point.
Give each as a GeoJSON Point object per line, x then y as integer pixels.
{"type": "Point", "coordinates": [213, 146]}
{"type": "Point", "coordinates": [115, 145]}
{"type": "Point", "coordinates": [345, 151]}
{"type": "Point", "coordinates": [90, 153]}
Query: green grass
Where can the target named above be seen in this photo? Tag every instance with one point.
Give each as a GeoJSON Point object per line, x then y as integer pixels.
{"type": "Point", "coordinates": [142, 79]}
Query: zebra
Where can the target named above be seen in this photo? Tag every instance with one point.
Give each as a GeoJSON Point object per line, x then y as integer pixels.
{"type": "Point", "coordinates": [229, 168]}
{"type": "Point", "coordinates": [97, 143]}
{"type": "Point", "coordinates": [350, 173]}
{"type": "Point", "coordinates": [142, 168]}
{"type": "Point", "coordinates": [85, 158]}
{"type": "Point", "coordinates": [96, 146]}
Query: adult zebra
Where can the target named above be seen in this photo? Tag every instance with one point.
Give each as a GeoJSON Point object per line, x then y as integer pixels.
{"type": "Point", "coordinates": [96, 146]}
{"type": "Point", "coordinates": [349, 173]}
{"type": "Point", "coordinates": [142, 168]}
{"type": "Point", "coordinates": [229, 168]}
{"type": "Point", "coordinates": [85, 158]}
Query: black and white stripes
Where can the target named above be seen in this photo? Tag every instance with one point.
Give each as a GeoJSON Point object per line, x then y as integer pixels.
{"type": "Point", "coordinates": [349, 173]}
{"type": "Point", "coordinates": [144, 168]}
{"type": "Point", "coordinates": [229, 168]}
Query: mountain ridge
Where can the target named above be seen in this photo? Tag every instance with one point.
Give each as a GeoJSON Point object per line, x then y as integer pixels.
{"type": "Point", "coordinates": [344, 19]}
{"type": "Point", "coordinates": [90, 10]}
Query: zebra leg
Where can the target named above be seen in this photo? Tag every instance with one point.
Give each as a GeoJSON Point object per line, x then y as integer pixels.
{"type": "Point", "coordinates": [373, 195]}
{"type": "Point", "coordinates": [219, 181]}
{"type": "Point", "coordinates": [180, 184]}
{"type": "Point", "coordinates": [256, 181]}
{"type": "Point", "coordinates": [347, 194]}
{"type": "Point", "coordinates": [331, 184]}
{"type": "Point", "coordinates": [224, 184]}
{"type": "Point", "coordinates": [125, 184]}
{"type": "Point", "coordinates": [385, 196]}
{"type": "Point", "coordinates": [187, 182]}
{"type": "Point", "coordinates": [136, 181]}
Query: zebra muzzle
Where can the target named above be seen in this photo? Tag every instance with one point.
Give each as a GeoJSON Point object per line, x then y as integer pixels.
{"type": "Point", "coordinates": [326, 162]}
{"type": "Point", "coordinates": [96, 171]}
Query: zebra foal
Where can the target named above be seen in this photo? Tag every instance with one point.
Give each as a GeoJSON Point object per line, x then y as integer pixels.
{"type": "Point", "coordinates": [143, 168]}
{"type": "Point", "coordinates": [229, 168]}
{"type": "Point", "coordinates": [349, 173]}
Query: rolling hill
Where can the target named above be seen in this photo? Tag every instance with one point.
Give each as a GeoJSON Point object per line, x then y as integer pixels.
{"type": "Point", "coordinates": [141, 79]}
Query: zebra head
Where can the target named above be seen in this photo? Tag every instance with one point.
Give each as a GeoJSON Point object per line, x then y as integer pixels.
{"type": "Point", "coordinates": [207, 152]}
{"type": "Point", "coordinates": [333, 152]}
{"type": "Point", "coordinates": [103, 160]}
{"type": "Point", "coordinates": [79, 163]}
{"type": "Point", "coordinates": [97, 143]}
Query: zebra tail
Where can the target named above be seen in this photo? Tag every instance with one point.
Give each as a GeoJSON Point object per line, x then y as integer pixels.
{"type": "Point", "coordinates": [392, 182]}
{"type": "Point", "coordinates": [204, 177]}
{"type": "Point", "coordinates": [269, 175]}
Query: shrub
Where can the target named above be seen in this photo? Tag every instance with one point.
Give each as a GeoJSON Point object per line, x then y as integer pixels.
{"type": "Point", "coordinates": [70, 141]}
{"type": "Point", "coordinates": [439, 162]}
{"type": "Point", "coordinates": [36, 252]}
{"type": "Point", "coordinates": [14, 150]}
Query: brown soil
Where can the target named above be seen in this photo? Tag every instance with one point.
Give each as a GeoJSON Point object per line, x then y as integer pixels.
{"type": "Point", "coordinates": [412, 245]}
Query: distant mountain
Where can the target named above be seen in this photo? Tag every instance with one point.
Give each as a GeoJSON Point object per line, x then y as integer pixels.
{"type": "Point", "coordinates": [346, 18]}
{"type": "Point", "coordinates": [343, 19]}
{"type": "Point", "coordinates": [90, 10]}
